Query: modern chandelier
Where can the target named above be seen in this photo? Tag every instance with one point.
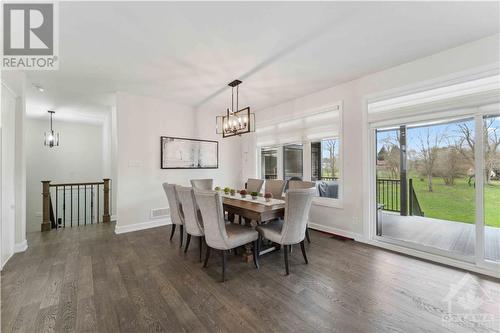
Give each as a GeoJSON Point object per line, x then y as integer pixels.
{"type": "Point", "coordinates": [235, 121]}
{"type": "Point", "coordinates": [51, 138]}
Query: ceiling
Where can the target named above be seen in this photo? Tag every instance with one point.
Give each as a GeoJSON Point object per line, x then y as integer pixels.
{"type": "Point", "coordinates": [187, 52]}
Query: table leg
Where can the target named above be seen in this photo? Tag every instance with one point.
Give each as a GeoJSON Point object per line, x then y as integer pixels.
{"type": "Point", "coordinates": [247, 254]}
{"type": "Point", "coordinates": [230, 217]}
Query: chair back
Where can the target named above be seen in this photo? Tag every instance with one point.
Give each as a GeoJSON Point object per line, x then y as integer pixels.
{"type": "Point", "coordinates": [210, 204]}
{"type": "Point", "coordinates": [297, 207]}
{"type": "Point", "coordinates": [203, 184]}
{"type": "Point", "coordinates": [192, 220]}
{"type": "Point", "coordinates": [254, 185]}
{"type": "Point", "coordinates": [299, 184]}
{"type": "Point", "coordinates": [176, 214]}
{"type": "Point", "coordinates": [275, 187]}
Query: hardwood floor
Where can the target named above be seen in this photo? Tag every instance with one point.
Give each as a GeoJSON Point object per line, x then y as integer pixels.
{"type": "Point", "coordinates": [89, 279]}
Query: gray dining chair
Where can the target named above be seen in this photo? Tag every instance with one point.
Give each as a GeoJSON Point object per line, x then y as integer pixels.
{"type": "Point", "coordinates": [203, 184]}
{"type": "Point", "coordinates": [298, 184]}
{"type": "Point", "coordinates": [254, 185]}
{"type": "Point", "coordinates": [275, 187]}
{"type": "Point", "coordinates": [218, 234]}
{"type": "Point", "coordinates": [291, 230]}
{"type": "Point", "coordinates": [192, 218]}
{"type": "Point", "coordinates": [176, 214]}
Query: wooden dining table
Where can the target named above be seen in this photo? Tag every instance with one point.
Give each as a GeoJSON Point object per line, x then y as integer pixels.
{"type": "Point", "coordinates": [253, 214]}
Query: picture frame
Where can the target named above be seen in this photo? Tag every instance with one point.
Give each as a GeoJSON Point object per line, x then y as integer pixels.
{"type": "Point", "coordinates": [185, 153]}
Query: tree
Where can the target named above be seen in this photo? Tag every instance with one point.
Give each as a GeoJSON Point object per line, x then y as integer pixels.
{"type": "Point", "coordinates": [428, 145]}
{"type": "Point", "coordinates": [491, 139]}
{"type": "Point", "coordinates": [330, 146]}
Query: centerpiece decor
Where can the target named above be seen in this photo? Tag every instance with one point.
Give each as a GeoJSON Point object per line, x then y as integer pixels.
{"type": "Point", "coordinates": [243, 193]}
{"type": "Point", "coordinates": [254, 195]}
{"type": "Point", "coordinates": [268, 196]}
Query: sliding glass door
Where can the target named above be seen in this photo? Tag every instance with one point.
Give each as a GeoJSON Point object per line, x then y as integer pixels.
{"type": "Point", "coordinates": [491, 187]}
{"type": "Point", "coordinates": [425, 194]}
{"type": "Point", "coordinates": [428, 191]}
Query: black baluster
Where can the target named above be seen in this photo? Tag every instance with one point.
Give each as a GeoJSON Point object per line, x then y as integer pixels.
{"type": "Point", "coordinates": [91, 204]}
{"type": "Point", "coordinates": [71, 205]}
{"type": "Point", "coordinates": [57, 214]}
{"type": "Point", "coordinates": [97, 203]}
{"type": "Point", "coordinates": [64, 206]}
{"type": "Point", "coordinates": [85, 204]}
{"type": "Point", "coordinates": [78, 205]}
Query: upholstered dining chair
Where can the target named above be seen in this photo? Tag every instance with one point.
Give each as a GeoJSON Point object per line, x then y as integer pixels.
{"type": "Point", "coordinates": [218, 234]}
{"type": "Point", "coordinates": [176, 214]}
{"type": "Point", "coordinates": [192, 218]}
{"type": "Point", "coordinates": [254, 185]}
{"type": "Point", "coordinates": [203, 184]}
{"type": "Point", "coordinates": [297, 184]}
{"type": "Point", "coordinates": [291, 230]}
{"type": "Point", "coordinates": [275, 187]}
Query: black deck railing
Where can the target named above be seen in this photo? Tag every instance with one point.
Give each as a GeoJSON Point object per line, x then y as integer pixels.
{"type": "Point", "coordinates": [414, 207]}
{"type": "Point", "coordinates": [388, 194]}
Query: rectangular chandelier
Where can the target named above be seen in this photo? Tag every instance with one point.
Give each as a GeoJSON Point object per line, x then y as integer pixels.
{"type": "Point", "coordinates": [235, 122]}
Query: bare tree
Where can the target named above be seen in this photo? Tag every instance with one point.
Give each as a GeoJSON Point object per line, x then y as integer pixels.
{"type": "Point", "coordinates": [428, 152]}
{"type": "Point", "coordinates": [330, 147]}
{"type": "Point", "coordinates": [491, 139]}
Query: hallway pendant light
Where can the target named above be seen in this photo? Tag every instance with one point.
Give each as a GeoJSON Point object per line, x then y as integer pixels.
{"type": "Point", "coordinates": [235, 121]}
{"type": "Point", "coordinates": [51, 137]}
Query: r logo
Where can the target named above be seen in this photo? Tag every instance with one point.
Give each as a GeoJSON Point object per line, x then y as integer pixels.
{"type": "Point", "coordinates": [28, 29]}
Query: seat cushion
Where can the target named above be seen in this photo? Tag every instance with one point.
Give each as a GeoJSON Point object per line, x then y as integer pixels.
{"type": "Point", "coordinates": [240, 235]}
{"type": "Point", "coordinates": [271, 230]}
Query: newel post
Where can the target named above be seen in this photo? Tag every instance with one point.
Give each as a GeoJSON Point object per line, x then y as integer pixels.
{"type": "Point", "coordinates": [46, 226]}
{"type": "Point", "coordinates": [105, 215]}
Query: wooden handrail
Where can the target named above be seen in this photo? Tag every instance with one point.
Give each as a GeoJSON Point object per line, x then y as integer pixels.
{"type": "Point", "coordinates": [46, 201]}
{"type": "Point", "coordinates": [76, 184]}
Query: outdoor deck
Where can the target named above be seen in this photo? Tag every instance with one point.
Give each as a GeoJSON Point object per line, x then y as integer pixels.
{"type": "Point", "coordinates": [455, 237]}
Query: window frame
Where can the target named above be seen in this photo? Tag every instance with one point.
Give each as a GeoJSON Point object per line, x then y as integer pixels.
{"type": "Point", "coordinates": [306, 153]}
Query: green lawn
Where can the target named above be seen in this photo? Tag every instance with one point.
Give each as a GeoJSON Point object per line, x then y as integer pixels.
{"type": "Point", "coordinates": [457, 203]}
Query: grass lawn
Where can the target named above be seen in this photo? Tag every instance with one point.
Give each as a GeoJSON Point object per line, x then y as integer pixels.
{"type": "Point", "coordinates": [457, 203]}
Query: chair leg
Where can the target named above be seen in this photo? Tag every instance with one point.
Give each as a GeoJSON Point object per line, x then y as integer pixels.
{"type": "Point", "coordinates": [173, 231]}
{"type": "Point", "coordinates": [207, 255]}
{"type": "Point", "coordinates": [303, 248]}
{"type": "Point", "coordinates": [256, 251]}
{"type": "Point", "coordinates": [223, 265]}
{"type": "Point", "coordinates": [188, 240]}
{"type": "Point", "coordinates": [307, 235]}
{"type": "Point", "coordinates": [286, 251]}
{"type": "Point", "coordinates": [181, 234]}
{"type": "Point", "coordinates": [201, 245]}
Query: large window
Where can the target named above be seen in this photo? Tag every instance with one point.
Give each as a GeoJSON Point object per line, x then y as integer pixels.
{"type": "Point", "coordinates": [293, 162]}
{"type": "Point", "coordinates": [305, 148]}
{"type": "Point", "coordinates": [269, 163]}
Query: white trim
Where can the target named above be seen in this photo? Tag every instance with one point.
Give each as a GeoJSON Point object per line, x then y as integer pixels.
{"type": "Point", "coordinates": [479, 185]}
{"type": "Point", "coordinates": [332, 230]}
{"type": "Point", "coordinates": [6, 261]}
{"type": "Point", "coordinates": [121, 229]}
{"type": "Point", "coordinates": [114, 217]}
{"type": "Point", "coordinates": [21, 247]}
{"type": "Point", "coordinates": [328, 202]}
{"type": "Point", "coordinates": [433, 257]}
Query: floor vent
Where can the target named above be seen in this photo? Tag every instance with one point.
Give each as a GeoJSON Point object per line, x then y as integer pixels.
{"type": "Point", "coordinates": [157, 213]}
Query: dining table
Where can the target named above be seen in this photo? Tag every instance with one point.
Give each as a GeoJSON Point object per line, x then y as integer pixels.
{"type": "Point", "coordinates": [253, 212]}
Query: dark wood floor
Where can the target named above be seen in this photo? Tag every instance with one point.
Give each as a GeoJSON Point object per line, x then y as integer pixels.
{"type": "Point", "coordinates": [89, 279]}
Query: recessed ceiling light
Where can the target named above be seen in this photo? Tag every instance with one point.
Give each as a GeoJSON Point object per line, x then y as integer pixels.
{"type": "Point", "coordinates": [38, 87]}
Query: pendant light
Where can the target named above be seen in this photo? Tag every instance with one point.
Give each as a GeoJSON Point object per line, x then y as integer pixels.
{"type": "Point", "coordinates": [235, 121]}
{"type": "Point", "coordinates": [51, 138]}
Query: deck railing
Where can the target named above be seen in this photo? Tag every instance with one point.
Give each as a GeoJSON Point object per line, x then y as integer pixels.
{"type": "Point", "coordinates": [388, 194]}
{"type": "Point", "coordinates": [69, 204]}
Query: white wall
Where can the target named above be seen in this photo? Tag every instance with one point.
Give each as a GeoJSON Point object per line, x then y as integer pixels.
{"type": "Point", "coordinates": [7, 185]}
{"type": "Point", "coordinates": [141, 121]}
{"type": "Point", "coordinates": [349, 219]}
{"type": "Point", "coordinates": [78, 158]}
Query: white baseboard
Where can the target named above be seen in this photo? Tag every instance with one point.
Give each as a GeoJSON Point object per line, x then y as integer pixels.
{"type": "Point", "coordinates": [114, 217]}
{"type": "Point", "coordinates": [121, 229]}
{"type": "Point", "coordinates": [336, 231]}
{"type": "Point", "coordinates": [21, 247]}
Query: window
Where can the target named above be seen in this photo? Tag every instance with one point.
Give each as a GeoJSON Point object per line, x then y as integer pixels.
{"type": "Point", "coordinates": [269, 163]}
{"type": "Point", "coordinates": [293, 162]}
{"type": "Point", "coordinates": [305, 148]}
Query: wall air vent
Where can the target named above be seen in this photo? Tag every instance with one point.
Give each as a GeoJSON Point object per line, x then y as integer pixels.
{"type": "Point", "coordinates": [157, 213]}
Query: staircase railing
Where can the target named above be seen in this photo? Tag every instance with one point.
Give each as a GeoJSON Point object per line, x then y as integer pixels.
{"type": "Point", "coordinates": [87, 203]}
